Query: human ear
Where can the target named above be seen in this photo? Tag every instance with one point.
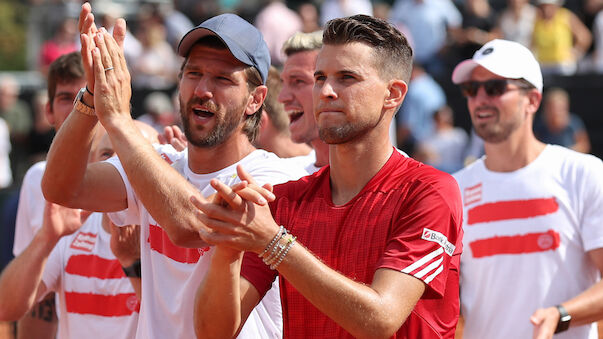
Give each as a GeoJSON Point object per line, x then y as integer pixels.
{"type": "Point", "coordinates": [396, 91]}
{"type": "Point", "coordinates": [256, 99]}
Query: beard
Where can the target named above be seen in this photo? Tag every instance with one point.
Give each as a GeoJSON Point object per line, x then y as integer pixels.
{"type": "Point", "coordinates": [496, 132]}
{"type": "Point", "coordinates": [224, 125]}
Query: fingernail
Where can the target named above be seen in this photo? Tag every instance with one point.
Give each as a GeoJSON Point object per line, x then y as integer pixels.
{"type": "Point", "coordinates": [262, 201]}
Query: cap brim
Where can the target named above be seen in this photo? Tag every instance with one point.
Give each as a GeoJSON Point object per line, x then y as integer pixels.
{"type": "Point", "coordinates": [193, 36]}
{"type": "Point", "coordinates": [462, 72]}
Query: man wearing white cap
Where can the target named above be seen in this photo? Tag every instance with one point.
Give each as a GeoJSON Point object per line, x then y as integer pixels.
{"type": "Point", "coordinates": [532, 212]}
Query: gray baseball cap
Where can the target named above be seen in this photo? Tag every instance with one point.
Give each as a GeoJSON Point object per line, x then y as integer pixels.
{"type": "Point", "coordinates": [243, 40]}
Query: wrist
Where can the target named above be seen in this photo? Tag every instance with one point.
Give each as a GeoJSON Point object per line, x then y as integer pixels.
{"type": "Point", "coordinates": [133, 270]}
{"type": "Point", "coordinates": [564, 319]}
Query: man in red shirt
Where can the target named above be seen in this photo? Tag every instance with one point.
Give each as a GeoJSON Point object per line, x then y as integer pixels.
{"type": "Point", "coordinates": [374, 239]}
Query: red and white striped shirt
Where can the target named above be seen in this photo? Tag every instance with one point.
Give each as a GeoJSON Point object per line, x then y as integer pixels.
{"type": "Point", "coordinates": [95, 298]}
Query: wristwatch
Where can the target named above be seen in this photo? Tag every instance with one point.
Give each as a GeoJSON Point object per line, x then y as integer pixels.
{"type": "Point", "coordinates": [132, 271]}
{"type": "Point", "coordinates": [564, 319]}
{"type": "Point", "coordinates": [80, 106]}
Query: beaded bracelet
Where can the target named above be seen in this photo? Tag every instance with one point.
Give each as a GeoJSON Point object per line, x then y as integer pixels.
{"type": "Point", "coordinates": [276, 249]}
{"type": "Point", "coordinates": [276, 237]}
{"type": "Point", "coordinates": [290, 243]}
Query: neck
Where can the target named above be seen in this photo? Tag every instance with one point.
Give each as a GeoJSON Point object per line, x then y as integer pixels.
{"type": "Point", "coordinates": [204, 160]}
{"type": "Point", "coordinates": [513, 153]}
{"type": "Point", "coordinates": [355, 163]}
{"type": "Point", "coordinates": [284, 147]}
{"type": "Point", "coordinates": [106, 223]}
{"type": "Point", "coordinates": [322, 152]}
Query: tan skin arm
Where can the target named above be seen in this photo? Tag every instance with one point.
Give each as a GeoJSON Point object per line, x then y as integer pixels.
{"type": "Point", "coordinates": [585, 308]}
{"type": "Point", "coordinates": [582, 36]}
{"type": "Point", "coordinates": [21, 281]}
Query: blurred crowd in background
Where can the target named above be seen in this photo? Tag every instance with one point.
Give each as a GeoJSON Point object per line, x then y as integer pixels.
{"type": "Point", "coordinates": [566, 37]}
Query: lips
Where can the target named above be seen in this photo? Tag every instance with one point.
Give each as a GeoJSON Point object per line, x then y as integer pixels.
{"type": "Point", "coordinates": [295, 115]}
{"type": "Point", "coordinates": [202, 113]}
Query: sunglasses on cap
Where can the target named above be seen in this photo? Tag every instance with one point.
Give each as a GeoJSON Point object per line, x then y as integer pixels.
{"type": "Point", "coordinates": [493, 88]}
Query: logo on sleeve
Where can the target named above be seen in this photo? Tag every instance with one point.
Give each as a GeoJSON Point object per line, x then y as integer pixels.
{"type": "Point", "coordinates": [84, 242]}
{"type": "Point", "coordinates": [473, 194]}
{"type": "Point", "coordinates": [166, 158]}
{"type": "Point", "coordinates": [438, 238]}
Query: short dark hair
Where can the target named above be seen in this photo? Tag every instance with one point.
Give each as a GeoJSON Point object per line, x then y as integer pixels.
{"type": "Point", "coordinates": [254, 79]}
{"type": "Point", "coordinates": [391, 48]}
{"type": "Point", "coordinates": [65, 69]}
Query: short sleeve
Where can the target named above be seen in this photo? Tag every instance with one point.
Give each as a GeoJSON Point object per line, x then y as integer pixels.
{"type": "Point", "coordinates": [426, 235]}
{"type": "Point", "coordinates": [130, 215]}
{"type": "Point", "coordinates": [54, 266]}
{"type": "Point", "coordinates": [30, 210]}
{"type": "Point", "coordinates": [257, 273]}
{"type": "Point", "coordinates": [591, 218]}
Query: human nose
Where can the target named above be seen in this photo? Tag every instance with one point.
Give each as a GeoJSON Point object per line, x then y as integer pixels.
{"type": "Point", "coordinates": [203, 88]}
{"type": "Point", "coordinates": [285, 95]}
{"type": "Point", "coordinates": [326, 90]}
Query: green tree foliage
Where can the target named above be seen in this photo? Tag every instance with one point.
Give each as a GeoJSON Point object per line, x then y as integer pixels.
{"type": "Point", "coordinates": [13, 17]}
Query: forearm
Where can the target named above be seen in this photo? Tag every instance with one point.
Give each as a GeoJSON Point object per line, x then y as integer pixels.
{"type": "Point", "coordinates": [163, 191]}
{"type": "Point", "coordinates": [21, 279]}
{"type": "Point", "coordinates": [68, 158]}
{"type": "Point", "coordinates": [358, 308]}
{"type": "Point", "coordinates": [587, 307]}
{"type": "Point", "coordinates": [217, 312]}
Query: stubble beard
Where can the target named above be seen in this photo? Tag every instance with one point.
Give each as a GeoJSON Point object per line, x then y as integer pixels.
{"type": "Point", "coordinates": [224, 125]}
{"type": "Point", "coordinates": [498, 131]}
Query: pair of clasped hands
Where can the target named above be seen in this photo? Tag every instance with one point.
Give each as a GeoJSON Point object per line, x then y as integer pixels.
{"type": "Point", "coordinates": [237, 217]}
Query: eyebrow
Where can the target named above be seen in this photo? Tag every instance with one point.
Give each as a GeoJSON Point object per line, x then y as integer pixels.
{"type": "Point", "coordinates": [342, 72]}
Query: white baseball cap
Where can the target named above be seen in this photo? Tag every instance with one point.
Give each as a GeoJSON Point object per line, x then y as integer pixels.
{"type": "Point", "coordinates": [505, 58]}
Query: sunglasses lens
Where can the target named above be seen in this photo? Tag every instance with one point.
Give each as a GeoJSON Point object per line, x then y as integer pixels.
{"type": "Point", "coordinates": [495, 88]}
{"type": "Point", "coordinates": [470, 88]}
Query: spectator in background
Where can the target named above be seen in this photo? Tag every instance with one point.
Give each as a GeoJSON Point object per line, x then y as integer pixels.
{"type": "Point", "coordinates": [274, 135]}
{"type": "Point", "coordinates": [176, 23]}
{"type": "Point", "coordinates": [6, 176]}
{"type": "Point", "coordinates": [559, 39]}
{"type": "Point", "coordinates": [277, 23]}
{"type": "Point", "coordinates": [156, 66]}
{"type": "Point", "coordinates": [17, 115]}
{"type": "Point", "coordinates": [429, 22]}
{"type": "Point", "coordinates": [62, 42]}
{"type": "Point", "coordinates": [40, 136]}
{"type": "Point", "coordinates": [598, 34]}
{"type": "Point", "coordinates": [516, 22]}
{"type": "Point", "coordinates": [331, 9]}
{"type": "Point", "coordinates": [558, 126]}
{"type": "Point", "coordinates": [445, 149]}
{"type": "Point", "coordinates": [415, 116]}
{"type": "Point", "coordinates": [479, 27]}
{"type": "Point", "coordinates": [309, 17]}
{"type": "Point", "coordinates": [159, 111]}
{"type": "Point", "coordinates": [108, 13]}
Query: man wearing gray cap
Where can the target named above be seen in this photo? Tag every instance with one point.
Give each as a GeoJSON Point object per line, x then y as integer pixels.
{"type": "Point", "coordinates": [221, 92]}
{"type": "Point", "coordinates": [532, 212]}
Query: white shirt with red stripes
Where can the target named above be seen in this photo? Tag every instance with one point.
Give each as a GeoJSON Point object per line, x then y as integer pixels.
{"type": "Point", "coordinates": [94, 297]}
{"type": "Point", "coordinates": [172, 274]}
{"type": "Point", "coordinates": [527, 234]}
{"type": "Point", "coordinates": [30, 211]}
